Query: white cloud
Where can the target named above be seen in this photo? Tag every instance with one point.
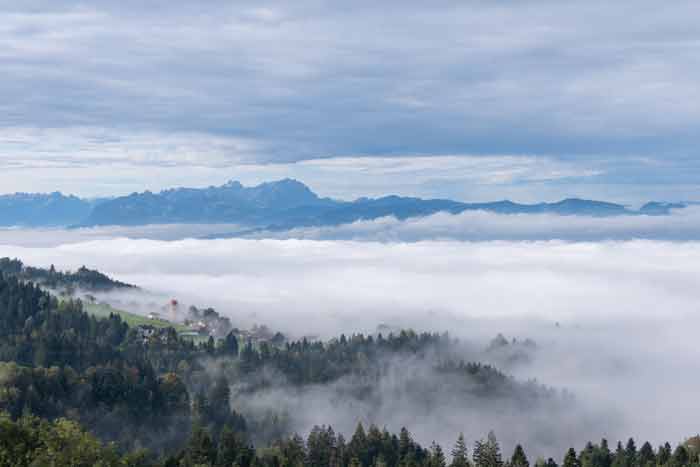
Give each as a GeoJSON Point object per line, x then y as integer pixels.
{"type": "Point", "coordinates": [96, 161]}
{"type": "Point", "coordinates": [466, 168]}
{"type": "Point", "coordinates": [681, 224]}
{"type": "Point", "coordinates": [91, 147]}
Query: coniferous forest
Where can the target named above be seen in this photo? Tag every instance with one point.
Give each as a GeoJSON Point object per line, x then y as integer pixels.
{"type": "Point", "coordinates": [81, 390]}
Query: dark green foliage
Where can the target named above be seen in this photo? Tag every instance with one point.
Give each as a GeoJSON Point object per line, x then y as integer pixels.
{"type": "Point", "coordinates": [570, 459]}
{"type": "Point", "coordinates": [596, 455]}
{"type": "Point", "coordinates": [646, 455]}
{"type": "Point", "coordinates": [664, 454]}
{"type": "Point", "coordinates": [30, 441]}
{"type": "Point", "coordinates": [367, 448]}
{"type": "Point", "coordinates": [62, 362]}
{"type": "Point", "coordinates": [38, 330]}
{"type": "Point", "coordinates": [519, 459]}
{"type": "Point", "coordinates": [84, 279]}
{"type": "Point", "coordinates": [437, 457]}
{"type": "Point", "coordinates": [488, 453]}
{"type": "Point", "coordinates": [230, 345]}
{"type": "Point", "coordinates": [63, 372]}
{"type": "Point", "coordinates": [680, 456]}
{"type": "Point", "coordinates": [460, 456]}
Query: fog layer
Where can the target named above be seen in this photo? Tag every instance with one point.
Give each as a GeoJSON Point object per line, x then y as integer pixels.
{"type": "Point", "coordinates": [616, 322]}
{"type": "Point", "coordinates": [681, 224]}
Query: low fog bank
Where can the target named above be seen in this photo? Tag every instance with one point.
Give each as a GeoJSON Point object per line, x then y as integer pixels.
{"type": "Point", "coordinates": [46, 237]}
{"type": "Point", "coordinates": [682, 224]}
{"type": "Point", "coordinates": [435, 405]}
{"type": "Point", "coordinates": [615, 322]}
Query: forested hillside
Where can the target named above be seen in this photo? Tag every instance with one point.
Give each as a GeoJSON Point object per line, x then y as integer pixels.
{"type": "Point", "coordinates": [77, 390]}
{"type": "Point", "coordinates": [85, 279]}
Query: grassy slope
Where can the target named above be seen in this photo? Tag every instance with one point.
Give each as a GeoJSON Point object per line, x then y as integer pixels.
{"type": "Point", "coordinates": [132, 319]}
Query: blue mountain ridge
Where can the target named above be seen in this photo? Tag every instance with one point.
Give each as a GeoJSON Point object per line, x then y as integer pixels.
{"type": "Point", "coordinates": [279, 204]}
{"type": "Point", "coordinates": [43, 209]}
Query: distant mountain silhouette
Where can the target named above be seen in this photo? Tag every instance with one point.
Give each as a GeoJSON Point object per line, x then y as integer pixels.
{"type": "Point", "coordinates": [230, 203]}
{"type": "Point", "coordinates": [280, 204]}
{"type": "Point", "coordinates": [657, 208]}
{"type": "Point", "coordinates": [43, 210]}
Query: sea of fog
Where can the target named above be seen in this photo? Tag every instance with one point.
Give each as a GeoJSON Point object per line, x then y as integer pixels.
{"type": "Point", "coordinates": [616, 322]}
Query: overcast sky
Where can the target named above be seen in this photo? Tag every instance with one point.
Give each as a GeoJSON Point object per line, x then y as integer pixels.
{"type": "Point", "coordinates": [467, 99]}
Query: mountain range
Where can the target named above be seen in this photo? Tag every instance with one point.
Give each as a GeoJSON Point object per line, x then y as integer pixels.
{"type": "Point", "coordinates": [280, 204]}
{"type": "Point", "coordinates": [43, 209]}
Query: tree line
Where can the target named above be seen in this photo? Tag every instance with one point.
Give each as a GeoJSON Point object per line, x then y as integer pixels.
{"type": "Point", "coordinates": [30, 441]}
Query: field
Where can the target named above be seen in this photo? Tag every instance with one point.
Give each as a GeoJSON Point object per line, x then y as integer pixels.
{"type": "Point", "coordinates": [103, 310]}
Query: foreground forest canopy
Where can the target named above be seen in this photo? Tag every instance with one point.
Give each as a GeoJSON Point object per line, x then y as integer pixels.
{"type": "Point", "coordinates": [79, 390]}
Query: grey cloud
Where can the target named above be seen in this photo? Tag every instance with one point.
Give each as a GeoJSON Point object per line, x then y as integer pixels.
{"type": "Point", "coordinates": [312, 79]}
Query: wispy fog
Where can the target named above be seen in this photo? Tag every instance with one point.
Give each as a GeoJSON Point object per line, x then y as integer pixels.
{"type": "Point", "coordinates": [616, 322]}
{"type": "Point", "coordinates": [682, 224]}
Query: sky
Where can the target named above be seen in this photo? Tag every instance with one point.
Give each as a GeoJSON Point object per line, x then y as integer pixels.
{"type": "Point", "coordinates": [471, 100]}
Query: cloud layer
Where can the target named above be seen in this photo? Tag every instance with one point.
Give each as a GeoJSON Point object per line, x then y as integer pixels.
{"type": "Point", "coordinates": [286, 82]}
{"type": "Point", "coordinates": [448, 75]}
{"type": "Point", "coordinates": [681, 224]}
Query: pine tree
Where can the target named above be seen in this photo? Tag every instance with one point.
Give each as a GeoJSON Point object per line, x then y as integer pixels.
{"type": "Point", "coordinates": [646, 455]}
{"type": "Point", "coordinates": [229, 447]}
{"type": "Point", "coordinates": [630, 453]}
{"type": "Point", "coordinates": [620, 457]}
{"type": "Point", "coordinates": [519, 459]}
{"type": "Point", "coordinates": [570, 460]}
{"type": "Point", "coordinates": [294, 451]}
{"type": "Point", "coordinates": [488, 453]}
{"type": "Point", "coordinates": [358, 444]}
{"type": "Point", "coordinates": [664, 454]}
{"type": "Point", "coordinates": [680, 457]}
{"type": "Point", "coordinates": [437, 457]}
{"type": "Point", "coordinates": [494, 450]}
{"type": "Point", "coordinates": [201, 408]}
{"type": "Point", "coordinates": [219, 397]}
{"type": "Point", "coordinates": [230, 345]}
{"type": "Point", "coordinates": [200, 449]}
{"type": "Point", "coordinates": [588, 455]}
{"type": "Point", "coordinates": [478, 453]}
{"type": "Point", "coordinates": [380, 462]}
{"type": "Point", "coordinates": [459, 453]}
{"type": "Point", "coordinates": [405, 443]}
{"type": "Point", "coordinates": [603, 456]}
